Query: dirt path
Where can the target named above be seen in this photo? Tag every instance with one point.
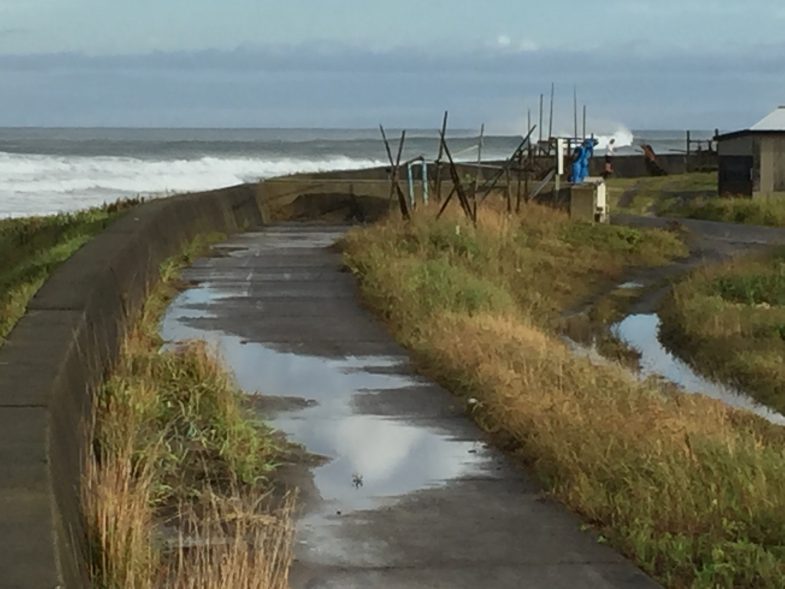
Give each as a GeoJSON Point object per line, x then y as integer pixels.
{"type": "Point", "coordinates": [409, 493]}
{"type": "Point", "coordinates": [709, 241]}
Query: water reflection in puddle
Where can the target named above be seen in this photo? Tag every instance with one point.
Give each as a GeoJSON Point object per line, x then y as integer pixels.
{"type": "Point", "coordinates": [371, 458]}
{"type": "Point", "coordinates": [630, 285]}
{"type": "Point", "coordinates": [641, 332]}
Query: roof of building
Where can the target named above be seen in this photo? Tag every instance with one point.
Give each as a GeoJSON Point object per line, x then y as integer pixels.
{"type": "Point", "coordinates": [774, 122]}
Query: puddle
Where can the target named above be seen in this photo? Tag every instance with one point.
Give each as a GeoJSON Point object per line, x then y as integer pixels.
{"type": "Point", "coordinates": [370, 458]}
{"type": "Point", "coordinates": [630, 286]}
{"type": "Point", "coordinates": [641, 332]}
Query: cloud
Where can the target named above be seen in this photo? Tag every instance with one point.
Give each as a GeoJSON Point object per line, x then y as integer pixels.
{"type": "Point", "coordinates": [505, 56]}
{"type": "Point", "coordinates": [328, 84]}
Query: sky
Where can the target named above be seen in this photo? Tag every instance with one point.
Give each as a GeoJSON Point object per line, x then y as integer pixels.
{"type": "Point", "coordinates": [662, 64]}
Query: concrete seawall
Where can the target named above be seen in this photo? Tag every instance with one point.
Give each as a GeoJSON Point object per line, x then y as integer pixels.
{"type": "Point", "coordinates": [58, 353]}
{"type": "Point", "coordinates": [63, 347]}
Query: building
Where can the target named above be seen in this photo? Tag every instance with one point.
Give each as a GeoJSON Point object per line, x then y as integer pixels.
{"type": "Point", "coordinates": [752, 162]}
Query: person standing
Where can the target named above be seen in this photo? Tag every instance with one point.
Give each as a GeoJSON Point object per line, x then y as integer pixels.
{"type": "Point", "coordinates": [609, 153]}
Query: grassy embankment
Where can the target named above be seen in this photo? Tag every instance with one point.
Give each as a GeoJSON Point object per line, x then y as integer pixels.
{"type": "Point", "coordinates": [729, 321]}
{"type": "Point", "coordinates": [176, 490]}
{"type": "Point", "coordinates": [32, 247]}
{"type": "Point", "coordinates": [691, 196]}
{"type": "Point", "coordinates": [694, 492]}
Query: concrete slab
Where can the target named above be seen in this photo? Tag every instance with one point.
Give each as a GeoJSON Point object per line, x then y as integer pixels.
{"type": "Point", "coordinates": [411, 493]}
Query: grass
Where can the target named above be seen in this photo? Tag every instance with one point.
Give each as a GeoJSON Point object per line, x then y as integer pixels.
{"type": "Point", "coordinates": [34, 246]}
{"type": "Point", "coordinates": [692, 196]}
{"type": "Point", "coordinates": [690, 489]}
{"type": "Point", "coordinates": [177, 483]}
{"type": "Point", "coordinates": [729, 321]}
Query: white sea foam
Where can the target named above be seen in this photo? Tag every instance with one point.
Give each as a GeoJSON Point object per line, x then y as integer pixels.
{"type": "Point", "coordinates": [623, 136]}
{"type": "Point", "coordinates": [42, 184]}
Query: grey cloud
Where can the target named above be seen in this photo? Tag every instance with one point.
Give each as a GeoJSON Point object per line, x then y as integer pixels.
{"type": "Point", "coordinates": [333, 85]}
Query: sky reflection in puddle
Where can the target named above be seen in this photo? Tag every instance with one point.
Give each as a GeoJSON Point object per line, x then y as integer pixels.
{"type": "Point", "coordinates": [371, 458]}
{"type": "Point", "coordinates": [641, 332]}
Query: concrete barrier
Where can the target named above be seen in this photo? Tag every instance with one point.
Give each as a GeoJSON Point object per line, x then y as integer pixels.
{"type": "Point", "coordinates": [59, 352]}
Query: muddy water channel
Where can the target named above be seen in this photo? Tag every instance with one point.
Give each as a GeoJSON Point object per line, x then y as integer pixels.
{"type": "Point", "coordinates": [641, 332]}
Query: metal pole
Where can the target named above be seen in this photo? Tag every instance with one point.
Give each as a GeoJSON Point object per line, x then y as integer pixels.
{"type": "Point", "coordinates": [425, 192]}
{"type": "Point", "coordinates": [575, 108]}
{"type": "Point", "coordinates": [410, 178]}
{"type": "Point", "coordinates": [542, 99]}
{"type": "Point", "coordinates": [550, 121]}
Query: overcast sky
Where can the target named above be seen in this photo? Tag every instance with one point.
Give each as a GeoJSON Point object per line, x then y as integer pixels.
{"type": "Point", "coordinates": [327, 63]}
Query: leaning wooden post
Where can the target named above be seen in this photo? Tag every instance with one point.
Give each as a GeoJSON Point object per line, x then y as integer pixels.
{"type": "Point", "coordinates": [478, 170]}
{"type": "Point", "coordinates": [509, 190]}
{"type": "Point", "coordinates": [438, 174]}
{"type": "Point", "coordinates": [395, 166]}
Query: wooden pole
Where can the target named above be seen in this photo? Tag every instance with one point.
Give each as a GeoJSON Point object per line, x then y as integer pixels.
{"type": "Point", "coordinates": [456, 179]}
{"type": "Point", "coordinates": [529, 126]}
{"type": "Point", "coordinates": [687, 161]}
{"type": "Point", "coordinates": [395, 166]}
{"type": "Point", "coordinates": [518, 192]}
{"type": "Point", "coordinates": [477, 172]}
{"type": "Point", "coordinates": [390, 158]}
{"type": "Point", "coordinates": [584, 121]}
{"type": "Point", "coordinates": [509, 190]}
{"type": "Point", "coordinates": [438, 175]}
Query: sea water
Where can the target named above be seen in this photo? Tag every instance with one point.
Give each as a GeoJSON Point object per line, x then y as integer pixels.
{"type": "Point", "coordinates": [45, 171]}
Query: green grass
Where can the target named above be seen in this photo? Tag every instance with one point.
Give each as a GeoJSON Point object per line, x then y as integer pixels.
{"type": "Point", "coordinates": [692, 196]}
{"type": "Point", "coordinates": [656, 195]}
{"type": "Point", "coordinates": [758, 211]}
{"type": "Point", "coordinates": [175, 445]}
{"type": "Point", "coordinates": [689, 488]}
{"type": "Point", "coordinates": [729, 321]}
{"type": "Point", "coordinates": [32, 247]}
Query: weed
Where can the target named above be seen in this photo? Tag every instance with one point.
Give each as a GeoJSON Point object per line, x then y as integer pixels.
{"type": "Point", "coordinates": [690, 489]}
{"type": "Point", "coordinates": [729, 321]}
{"type": "Point", "coordinates": [176, 489]}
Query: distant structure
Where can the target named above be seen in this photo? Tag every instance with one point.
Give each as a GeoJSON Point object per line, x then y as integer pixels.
{"type": "Point", "coordinates": [752, 162]}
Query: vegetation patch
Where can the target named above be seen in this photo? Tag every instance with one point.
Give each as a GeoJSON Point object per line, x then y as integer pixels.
{"type": "Point", "coordinates": [729, 321]}
{"type": "Point", "coordinates": [34, 246]}
{"type": "Point", "coordinates": [691, 489]}
{"type": "Point", "coordinates": [692, 196]}
{"type": "Point", "coordinates": [177, 490]}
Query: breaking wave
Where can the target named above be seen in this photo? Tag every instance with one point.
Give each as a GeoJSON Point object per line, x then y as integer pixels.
{"type": "Point", "coordinates": [42, 184]}
{"type": "Point", "coordinates": [623, 136]}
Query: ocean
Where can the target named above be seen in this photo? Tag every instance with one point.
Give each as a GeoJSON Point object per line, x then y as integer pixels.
{"type": "Point", "coordinates": [44, 171]}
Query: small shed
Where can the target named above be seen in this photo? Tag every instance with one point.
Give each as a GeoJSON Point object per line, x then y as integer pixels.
{"type": "Point", "coordinates": [752, 162]}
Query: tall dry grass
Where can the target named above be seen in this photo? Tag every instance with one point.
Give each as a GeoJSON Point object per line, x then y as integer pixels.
{"type": "Point", "coordinates": [176, 489]}
{"type": "Point", "coordinates": [693, 491]}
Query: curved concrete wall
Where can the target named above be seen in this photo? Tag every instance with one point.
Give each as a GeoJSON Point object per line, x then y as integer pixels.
{"type": "Point", "coordinates": [59, 352]}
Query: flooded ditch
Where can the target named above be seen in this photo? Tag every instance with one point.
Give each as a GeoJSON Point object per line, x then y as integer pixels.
{"type": "Point", "coordinates": [641, 333]}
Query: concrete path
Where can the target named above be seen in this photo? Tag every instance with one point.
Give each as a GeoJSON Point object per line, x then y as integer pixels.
{"type": "Point", "coordinates": [409, 494]}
